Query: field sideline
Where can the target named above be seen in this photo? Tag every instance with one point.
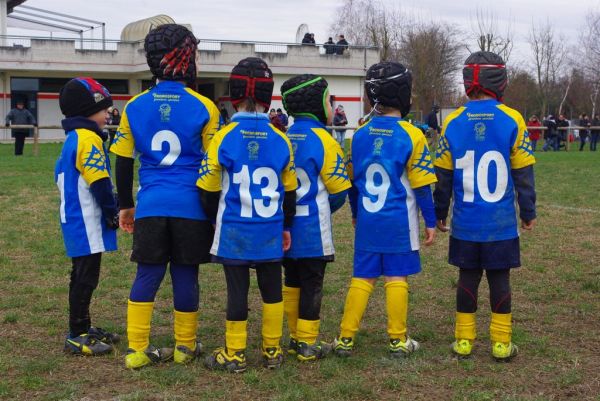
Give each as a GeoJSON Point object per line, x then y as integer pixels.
{"type": "Point", "coordinates": [556, 308]}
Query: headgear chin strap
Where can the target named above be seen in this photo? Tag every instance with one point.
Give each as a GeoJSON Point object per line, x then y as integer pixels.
{"type": "Point", "coordinates": [485, 72]}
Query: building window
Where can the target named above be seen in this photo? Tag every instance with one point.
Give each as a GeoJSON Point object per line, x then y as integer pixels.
{"type": "Point", "coordinates": [24, 84]}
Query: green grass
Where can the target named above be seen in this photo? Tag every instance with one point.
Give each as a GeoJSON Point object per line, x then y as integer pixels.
{"type": "Point", "coordinates": [555, 309]}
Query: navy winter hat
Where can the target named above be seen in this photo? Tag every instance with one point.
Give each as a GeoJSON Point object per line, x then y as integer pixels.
{"type": "Point", "coordinates": [83, 96]}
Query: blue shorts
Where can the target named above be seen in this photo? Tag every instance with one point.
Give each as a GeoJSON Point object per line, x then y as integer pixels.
{"type": "Point", "coordinates": [493, 255]}
{"type": "Point", "coordinates": [376, 264]}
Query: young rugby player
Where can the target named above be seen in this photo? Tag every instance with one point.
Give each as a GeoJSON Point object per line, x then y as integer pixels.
{"type": "Point", "coordinates": [169, 127]}
{"type": "Point", "coordinates": [88, 209]}
{"type": "Point", "coordinates": [483, 157]}
{"type": "Point", "coordinates": [391, 169]}
{"type": "Point", "coordinates": [248, 184]}
{"type": "Point", "coordinates": [323, 184]}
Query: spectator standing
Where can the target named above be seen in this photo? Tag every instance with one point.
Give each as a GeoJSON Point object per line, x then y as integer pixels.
{"type": "Point", "coordinates": [312, 39]}
{"type": "Point", "coordinates": [340, 120]}
{"type": "Point", "coordinates": [551, 133]}
{"type": "Point", "coordinates": [274, 118]}
{"type": "Point", "coordinates": [595, 133]}
{"type": "Point", "coordinates": [283, 118]}
{"type": "Point", "coordinates": [329, 46]}
{"type": "Point", "coordinates": [114, 118]}
{"type": "Point", "coordinates": [562, 134]}
{"type": "Point", "coordinates": [341, 45]}
{"type": "Point", "coordinates": [224, 114]}
{"type": "Point", "coordinates": [306, 39]}
{"type": "Point", "coordinates": [20, 116]}
{"type": "Point", "coordinates": [534, 134]}
{"type": "Point", "coordinates": [584, 123]}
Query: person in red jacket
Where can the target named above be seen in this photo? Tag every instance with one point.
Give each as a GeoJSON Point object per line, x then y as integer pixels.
{"type": "Point", "coordinates": [534, 134]}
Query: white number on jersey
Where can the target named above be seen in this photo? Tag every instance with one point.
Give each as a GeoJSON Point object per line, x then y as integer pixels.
{"type": "Point", "coordinates": [380, 191]}
{"type": "Point", "coordinates": [174, 146]}
{"type": "Point", "coordinates": [264, 207]}
{"type": "Point", "coordinates": [467, 164]}
{"type": "Point", "coordinates": [303, 188]}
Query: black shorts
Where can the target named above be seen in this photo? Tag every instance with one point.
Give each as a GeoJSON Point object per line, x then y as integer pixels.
{"type": "Point", "coordinates": [159, 240]}
{"type": "Point", "coordinates": [493, 255]}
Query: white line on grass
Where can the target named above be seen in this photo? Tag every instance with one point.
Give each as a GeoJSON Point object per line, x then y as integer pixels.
{"type": "Point", "coordinates": [575, 209]}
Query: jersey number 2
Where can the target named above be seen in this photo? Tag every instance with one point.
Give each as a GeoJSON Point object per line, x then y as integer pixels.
{"type": "Point", "coordinates": [174, 146]}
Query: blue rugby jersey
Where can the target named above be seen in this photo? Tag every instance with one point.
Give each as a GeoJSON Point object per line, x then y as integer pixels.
{"type": "Point", "coordinates": [388, 158]}
{"type": "Point", "coordinates": [169, 127]}
{"type": "Point", "coordinates": [481, 142]}
{"type": "Point", "coordinates": [321, 170]}
{"type": "Point", "coordinates": [252, 164]}
{"type": "Point", "coordinates": [83, 161]}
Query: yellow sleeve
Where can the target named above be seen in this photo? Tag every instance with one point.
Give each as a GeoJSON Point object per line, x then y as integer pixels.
{"type": "Point", "coordinates": [123, 144]}
{"type": "Point", "coordinates": [443, 156]}
{"type": "Point", "coordinates": [419, 166]}
{"type": "Point", "coordinates": [333, 171]}
{"type": "Point", "coordinates": [288, 176]}
{"type": "Point", "coordinates": [521, 153]}
{"type": "Point", "coordinates": [91, 157]}
{"type": "Point", "coordinates": [209, 174]}
{"type": "Point", "coordinates": [214, 121]}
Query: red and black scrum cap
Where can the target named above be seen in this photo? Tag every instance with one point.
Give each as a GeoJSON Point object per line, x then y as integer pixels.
{"type": "Point", "coordinates": [171, 53]}
{"type": "Point", "coordinates": [485, 72]}
{"type": "Point", "coordinates": [251, 78]}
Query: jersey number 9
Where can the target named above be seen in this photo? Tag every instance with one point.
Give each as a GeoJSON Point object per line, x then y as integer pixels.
{"type": "Point", "coordinates": [380, 191]}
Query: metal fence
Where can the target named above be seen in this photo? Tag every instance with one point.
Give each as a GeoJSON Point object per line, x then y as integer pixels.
{"type": "Point", "coordinates": [16, 42]}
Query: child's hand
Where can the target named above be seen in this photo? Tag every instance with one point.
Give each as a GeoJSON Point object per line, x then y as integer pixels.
{"type": "Point", "coordinates": [441, 225]}
{"type": "Point", "coordinates": [287, 241]}
{"type": "Point", "coordinates": [429, 236]}
{"type": "Point", "coordinates": [126, 219]}
{"type": "Point", "coordinates": [527, 225]}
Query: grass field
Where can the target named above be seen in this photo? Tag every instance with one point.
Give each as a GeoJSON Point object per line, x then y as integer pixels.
{"type": "Point", "coordinates": [556, 300]}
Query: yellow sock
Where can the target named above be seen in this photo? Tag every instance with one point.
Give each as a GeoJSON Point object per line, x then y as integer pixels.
{"type": "Point", "coordinates": [185, 326]}
{"type": "Point", "coordinates": [291, 304]}
{"type": "Point", "coordinates": [466, 327]}
{"type": "Point", "coordinates": [396, 302]}
{"type": "Point", "coordinates": [272, 324]}
{"type": "Point", "coordinates": [501, 327]}
{"type": "Point", "coordinates": [356, 303]}
{"type": "Point", "coordinates": [308, 331]}
{"type": "Point", "coordinates": [235, 335]}
{"type": "Point", "coordinates": [139, 317]}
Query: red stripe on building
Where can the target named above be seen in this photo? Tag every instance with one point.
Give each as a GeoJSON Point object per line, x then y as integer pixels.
{"type": "Point", "coordinates": [47, 96]}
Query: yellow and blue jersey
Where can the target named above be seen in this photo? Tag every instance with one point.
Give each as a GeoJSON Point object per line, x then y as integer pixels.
{"type": "Point", "coordinates": [169, 127]}
{"type": "Point", "coordinates": [388, 159]}
{"type": "Point", "coordinates": [321, 171]}
{"type": "Point", "coordinates": [252, 164]}
{"type": "Point", "coordinates": [83, 161]}
{"type": "Point", "coordinates": [481, 142]}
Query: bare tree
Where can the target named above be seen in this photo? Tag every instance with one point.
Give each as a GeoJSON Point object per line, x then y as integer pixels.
{"type": "Point", "coordinates": [433, 53]}
{"type": "Point", "coordinates": [590, 57]}
{"type": "Point", "coordinates": [549, 55]}
{"type": "Point", "coordinates": [431, 50]}
{"type": "Point", "coordinates": [369, 23]}
{"type": "Point", "coordinates": [489, 36]}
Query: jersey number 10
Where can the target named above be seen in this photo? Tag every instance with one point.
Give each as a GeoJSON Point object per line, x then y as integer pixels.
{"type": "Point", "coordinates": [467, 164]}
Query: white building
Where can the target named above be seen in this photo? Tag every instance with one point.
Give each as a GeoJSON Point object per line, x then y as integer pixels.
{"type": "Point", "coordinates": [36, 68]}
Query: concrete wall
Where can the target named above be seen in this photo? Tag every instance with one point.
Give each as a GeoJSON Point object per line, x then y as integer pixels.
{"type": "Point", "coordinates": [60, 58]}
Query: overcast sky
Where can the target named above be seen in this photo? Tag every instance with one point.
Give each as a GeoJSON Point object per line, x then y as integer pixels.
{"type": "Point", "coordinates": [278, 20]}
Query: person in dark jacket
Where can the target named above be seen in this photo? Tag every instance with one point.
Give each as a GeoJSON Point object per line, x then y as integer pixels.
{"type": "Point", "coordinates": [584, 122]}
{"type": "Point", "coordinates": [340, 120]}
{"type": "Point", "coordinates": [341, 45]}
{"type": "Point", "coordinates": [283, 118]}
{"type": "Point", "coordinates": [114, 118]}
{"type": "Point", "coordinates": [329, 46]}
{"type": "Point", "coordinates": [595, 133]}
{"type": "Point", "coordinates": [431, 119]}
{"type": "Point", "coordinates": [562, 134]}
{"type": "Point", "coordinates": [20, 116]}
{"type": "Point", "coordinates": [550, 137]}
